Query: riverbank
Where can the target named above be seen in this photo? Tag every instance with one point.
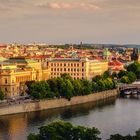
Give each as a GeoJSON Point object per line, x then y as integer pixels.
{"type": "Point", "coordinates": [56, 103]}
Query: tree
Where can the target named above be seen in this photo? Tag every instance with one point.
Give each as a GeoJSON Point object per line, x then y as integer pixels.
{"type": "Point", "coordinates": [67, 89]}
{"type": "Point", "coordinates": [138, 133]}
{"type": "Point", "coordinates": [86, 87]}
{"type": "Point", "coordinates": [106, 74]}
{"type": "Point", "coordinates": [96, 78]}
{"type": "Point", "coordinates": [53, 85]}
{"type": "Point", "coordinates": [33, 137]}
{"type": "Point", "coordinates": [135, 68]}
{"type": "Point", "coordinates": [131, 76]}
{"type": "Point", "coordinates": [66, 76]}
{"type": "Point", "coordinates": [2, 95]}
{"type": "Point", "coordinates": [61, 130]}
{"type": "Point", "coordinates": [77, 87]}
{"type": "Point", "coordinates": [100, 85]}
{"type": "Point", "coordinates": [120, 137]}
{"type": "Point", "coordinates": [122, 73]}
{"type": "Point", "coordinates": [114, 75]}
{"type": "Point", "coordinates": [125, 79]}
{"type": "Point", "coordinates": [40, 90]}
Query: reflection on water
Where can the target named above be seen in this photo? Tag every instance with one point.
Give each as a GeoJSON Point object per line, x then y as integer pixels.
{"type": "Point", "coordinates": [15, 127]}
{"type": "Point", "coordinates": [110, 116]}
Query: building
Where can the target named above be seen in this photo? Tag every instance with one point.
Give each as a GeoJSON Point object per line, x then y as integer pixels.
{"type": "Point", "coordinates": [115, 66]}
{"type": "Point", "coordinates": [16, 71]}
{"type": "Point", "coordinates": [135, 54]}
{"type": "Point", "coordinates": [78, 68]}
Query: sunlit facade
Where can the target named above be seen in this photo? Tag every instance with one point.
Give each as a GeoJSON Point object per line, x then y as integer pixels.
{"type": "Point", "coordinates": [14, 74]}
{"type": "Point", "coordinates": [78, 68]}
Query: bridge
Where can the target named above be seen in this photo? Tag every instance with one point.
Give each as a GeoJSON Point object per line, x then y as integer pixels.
{"type": "Point", "coordinates": [129, 88]}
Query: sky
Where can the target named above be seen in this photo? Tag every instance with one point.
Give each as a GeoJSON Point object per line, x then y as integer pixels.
{"type": "Point", "coordinates": [70, 21]}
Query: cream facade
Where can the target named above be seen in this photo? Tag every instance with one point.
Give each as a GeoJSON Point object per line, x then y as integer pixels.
{"type": "Point", "coordinates": [78, 68]}
{"type": "Point", "coordinates": [14, 75]}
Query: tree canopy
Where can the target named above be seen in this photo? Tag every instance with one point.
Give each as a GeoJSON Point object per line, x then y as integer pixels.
{"type": "Point", "coordinates": [2, 95]}
{"type": "Point", "coordinates": [66, 87]}
{"type": "Point", "coordinates": [61, 130]}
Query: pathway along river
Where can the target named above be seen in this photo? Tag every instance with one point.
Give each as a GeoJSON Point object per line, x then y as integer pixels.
{"type": "Point", "coordinates": [111, 116]}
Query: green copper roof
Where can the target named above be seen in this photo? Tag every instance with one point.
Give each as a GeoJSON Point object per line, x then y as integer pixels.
{"type": "Point", "coordinates": [106, 53]}
{"type": "Point", "coordinates": [2, 59]}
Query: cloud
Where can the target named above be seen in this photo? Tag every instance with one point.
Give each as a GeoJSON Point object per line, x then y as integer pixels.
{"type": "Point", "coordinates": [67, 6]}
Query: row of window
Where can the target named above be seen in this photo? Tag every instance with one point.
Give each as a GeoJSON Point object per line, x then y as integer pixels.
{"type": "Point", "coordinates": [66, 69]}
{"type": "Point", "coordinates": [71, 74]}
{"type": "Point", "coordinates": [66, 64]}
{"type": "Point", "coordinates": [73, 77]}
{"type": "Point", "coordinates": [23, 78]}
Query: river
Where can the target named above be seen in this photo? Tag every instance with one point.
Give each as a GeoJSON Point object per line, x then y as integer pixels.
{"type": "Point", "coordinates": [121, 115]}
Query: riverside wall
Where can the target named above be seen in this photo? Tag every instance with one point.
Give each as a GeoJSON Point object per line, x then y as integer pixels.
{"type": "Point", "coordinates": [55, 103]}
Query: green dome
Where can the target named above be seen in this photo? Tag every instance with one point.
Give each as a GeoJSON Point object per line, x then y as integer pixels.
{"type": "Point", "coordinates": [106, 53]}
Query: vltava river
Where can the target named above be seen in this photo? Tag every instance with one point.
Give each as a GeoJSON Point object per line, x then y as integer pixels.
{"type": "Point", "coordinates": [109, 116]}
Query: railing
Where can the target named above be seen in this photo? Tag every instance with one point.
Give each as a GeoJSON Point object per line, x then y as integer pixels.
{"type": "Point", "coordinates": [128, 86]}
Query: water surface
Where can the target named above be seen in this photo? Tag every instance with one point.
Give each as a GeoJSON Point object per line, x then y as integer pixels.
{"type": "Point", "coordinates": [120, 115]}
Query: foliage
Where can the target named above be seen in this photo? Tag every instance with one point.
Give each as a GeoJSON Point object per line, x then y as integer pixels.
{"type": "Point", "coordinates": [114, 75]}
{"type": "Point", "coordinates": [128, 78]}
{"type": "Point", "coordinates": [106, 74]}
{"type": "Point", "coordinates": [40, 90]}
{"type": "Point", "coordinates": [66, 87]}
{"type": "Point", "coordinates": [61, 130]}
{"type": "Point", "coordinates": [135, 68]}
{"type": "Point", "coordinates": [2, 95]}
{"type": "Point", "coordinates": [86, 87]}
{"type": "Point", "coordinates": [96, 78]}
{"type": "Point", "coordinates": [122, 73]}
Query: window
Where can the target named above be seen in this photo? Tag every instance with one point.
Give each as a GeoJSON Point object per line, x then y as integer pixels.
{"type": "Point", "coordinates": [6, 89]}
{"type": "Point", "coordinates": [82, 64]}
{"type": "Point", "coordinates": [5, 80]}
{"type": "Point", "coordinates": [64, 64]}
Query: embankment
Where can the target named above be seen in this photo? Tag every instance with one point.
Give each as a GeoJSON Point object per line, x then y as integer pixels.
{"type": "Point", "coordinates": [55, 103]}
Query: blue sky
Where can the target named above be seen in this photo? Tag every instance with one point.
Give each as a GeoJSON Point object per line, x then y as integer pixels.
{"type": "Point", "coordinates": [70, 21]}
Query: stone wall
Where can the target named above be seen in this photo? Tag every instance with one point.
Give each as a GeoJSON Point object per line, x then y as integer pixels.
{"type": "Point", "coordinates": [56, 103]}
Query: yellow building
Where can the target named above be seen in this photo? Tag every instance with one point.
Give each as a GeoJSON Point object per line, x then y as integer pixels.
{"type": "Point", "coordinates": [16, 71]}
{"type": "Point", "coordinates": [78, 68]}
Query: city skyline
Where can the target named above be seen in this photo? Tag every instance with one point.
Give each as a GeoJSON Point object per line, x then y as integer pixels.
{"type": "Point", "coordinates": [70, 21]}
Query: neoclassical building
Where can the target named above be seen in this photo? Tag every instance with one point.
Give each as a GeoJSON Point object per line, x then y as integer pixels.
{"type": "Point", "coordinates": [78, 68]}
{"type": "Point", "coordinates": [16, 71]}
